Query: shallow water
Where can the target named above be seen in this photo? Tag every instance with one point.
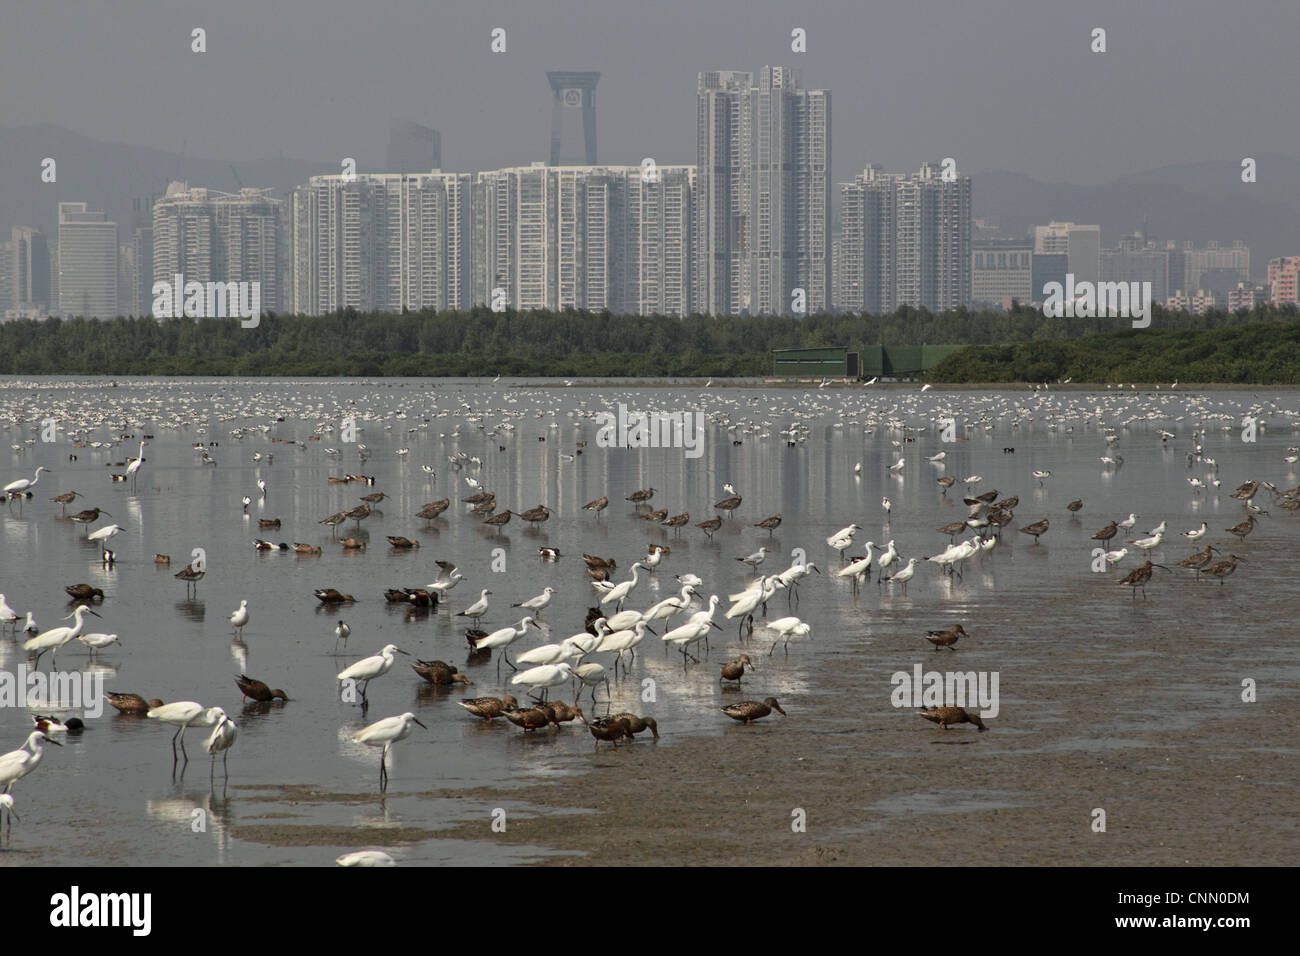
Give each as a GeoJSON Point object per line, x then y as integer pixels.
{"type": "Point", "coordinates": [1061, 638]}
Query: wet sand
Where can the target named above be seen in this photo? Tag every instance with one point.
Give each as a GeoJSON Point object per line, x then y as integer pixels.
{"type": "Point", "coordinates": [975, 799]}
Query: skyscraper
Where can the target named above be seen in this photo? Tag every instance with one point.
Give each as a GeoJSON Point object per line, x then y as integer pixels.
{"type": "Point", "coordinates": [763, 160]}
{"type": "Point", "coordinates": [87, 260]}
{"type": "Point", "coordinates": [211, 236]}
{"type": "Point", "coordinates": [905, 240]}
{"type": "Point", "coordinates": [413, 148]}
{"type": "Point", "coordinates": [29, 269]}
{"type": "Point", "coordinates": [1080, 244]}
{"type": "Point", "coordinates": [573, 118]}
{"type": "Point", "coordinates": [380, 241]}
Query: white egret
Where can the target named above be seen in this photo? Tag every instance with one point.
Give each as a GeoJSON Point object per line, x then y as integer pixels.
{"type": "Point", "coordinates": [620, 591]}
{"type": "Point", "coordinates": [103, 534]}
{"type": "Point", "coordinates": [56, 637]}
{"type": "Point", "coordinates": [384, 733]}
{"type": "Point", "coordinates": [503, 638]}
{"type": "Point", "coordinates": [182, 715]}
{"type": "Point", "coordinates": [544, 677]}
{"type": "Point", "coordinates": [368, 668]}
{"type": "Point", "coordinates": [221, 740]}
{"type": "Point", "coordinates": [904, 575]}
{"type": "Point", "coordinates": [695, 628]}
{"type": "Point", "coordinates": [98, 641]}
{"type": "Point", "coordinates": [19, 763]}
{"type": "Point", "coordinates": [16, 488]}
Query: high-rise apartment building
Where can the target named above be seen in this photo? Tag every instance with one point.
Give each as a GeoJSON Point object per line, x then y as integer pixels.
{"type": "Point", "coordinates": [381, 241]}
{"type": "Point", "coordinates": [413, 148]}
{"type": "Point", "coordinates": [584, 237]}
{"type": "Point", "coordinates": [1002, 270]}
{"type": "Point", "coordinates": [210, 236]}
{"type": "Point", "coordinates": [87, 262]}
{"type": "Point", "coordinates": [1136, 260]}
{"type": "Point", "coordinates": [1080, 244]}
{"type": "Point", "coordinates": [1216, 267]}
{"type": "Point", "coordinates": [29, 269]}
{"type": "Point", "coordinates": [763, 149]}
{"type": "Point", "coordinates": [573, 117]}
{"type": "Point", "coordinates": [1283, 276]}
{"type": "Point", "coordinates": [905, 240]}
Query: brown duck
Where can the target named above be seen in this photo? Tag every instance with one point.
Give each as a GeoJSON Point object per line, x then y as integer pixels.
{"type": "Point", "coordinates": [529, 718]}
{"type": "Point", "coordinates": [946, 638]}
{"type": "Point", "coordinates": [84, 592]}
{"type": "Point", "coordinates": [945, 717]}
{"type": "Point", "coordinates": [636, 725]}
{"type": "Point", "coordinates": [609, 728]}
{"type": "Point", "coordinates": [562, 713]}
{"type": "Point", "coordinates": [489, 707]}
{"type": "Point", "coordinates": [132, 704]}
{"type": "Point", "coordinates": [331, 596]}
{"type": "Point", "coordinates": [402, 544]}
{"type": "Point", "coordinates": [735, 670]}
{"type": "Point", "coordinates": [440, 673]}
{"type": "Point", "coordinates": [751, 710]}
{"type": "Point", "coordinates": [257, 690]}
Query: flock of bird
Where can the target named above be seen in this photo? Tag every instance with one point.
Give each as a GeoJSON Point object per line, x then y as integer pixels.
{"type": "Point", "coordinates": [613, 632]}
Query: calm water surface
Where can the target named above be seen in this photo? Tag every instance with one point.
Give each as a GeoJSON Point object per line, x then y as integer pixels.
{"type": "Point", "coordinates": [301, 792]}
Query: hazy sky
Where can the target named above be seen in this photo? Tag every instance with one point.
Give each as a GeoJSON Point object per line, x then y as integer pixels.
{"type": "Point", "coordinates": [997, 84]}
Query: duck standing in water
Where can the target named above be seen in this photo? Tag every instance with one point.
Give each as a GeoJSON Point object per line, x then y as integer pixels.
{"type": "Point", "coordinates": [751, 710]}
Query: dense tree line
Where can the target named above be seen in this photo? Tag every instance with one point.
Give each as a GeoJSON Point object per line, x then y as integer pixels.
{"type": "Point", "coordinates": [1256, 354]}
{"type": "Point", "coordinates": [481, 342]}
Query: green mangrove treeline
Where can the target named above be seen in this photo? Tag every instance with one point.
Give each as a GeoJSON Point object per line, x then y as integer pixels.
{"type": "Point", "coordinates": [1257, 354]}
{"type": "Point", "coordinates": [481, 342]}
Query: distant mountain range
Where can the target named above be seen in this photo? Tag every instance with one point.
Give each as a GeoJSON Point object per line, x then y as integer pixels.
{"type": "Point", "coordinates": [1197, 201]}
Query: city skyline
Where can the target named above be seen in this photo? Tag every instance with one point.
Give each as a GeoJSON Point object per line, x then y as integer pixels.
{"type": "Point", "coordinates": [1046, 105]}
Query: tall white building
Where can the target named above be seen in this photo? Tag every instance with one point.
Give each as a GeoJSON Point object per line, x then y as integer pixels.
{"type": "Point", "coordinates": [211, 236]}
{"type": "Point", "coordinates": [584, 237]}
{"type": "Point", "coordinates": [87, 262]}
{"type": "Point", "coordinates": [1080, 244]}
{"type": "Point", "coordinates": [381, 241]}
{"type": "Point", "coordinates": [905, 241]}
{"type": "Point", "coordinates": [763, 148]}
